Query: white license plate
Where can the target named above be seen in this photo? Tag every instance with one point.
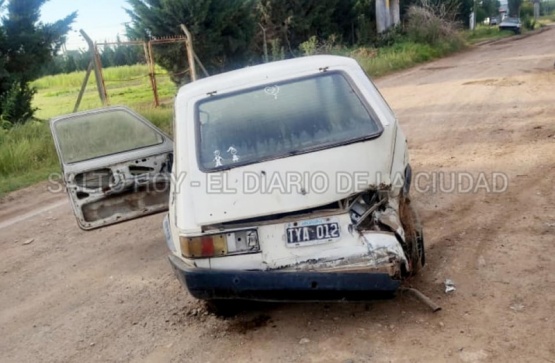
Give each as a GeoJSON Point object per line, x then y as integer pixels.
{"type": "Point", "coordinates": [312, 231]}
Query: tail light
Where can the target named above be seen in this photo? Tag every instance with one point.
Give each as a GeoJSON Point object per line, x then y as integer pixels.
{"type": "Point", "coordinates": [218, 245]}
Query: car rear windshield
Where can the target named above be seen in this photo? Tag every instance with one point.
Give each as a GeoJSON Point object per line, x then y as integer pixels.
{"type": "Point", "coordinates": [92, 135]}
{"type": "Point", "coordinates": [282, 119]}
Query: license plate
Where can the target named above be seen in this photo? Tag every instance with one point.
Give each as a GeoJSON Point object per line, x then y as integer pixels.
{"type": "Point", "coordinates": [312, 231]}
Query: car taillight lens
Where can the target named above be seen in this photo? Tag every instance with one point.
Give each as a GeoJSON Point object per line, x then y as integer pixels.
{"type": "Point", "coordinates": [218, 245]}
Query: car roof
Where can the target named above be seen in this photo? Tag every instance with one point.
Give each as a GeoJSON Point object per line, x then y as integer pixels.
{"type": "Point", "coordinates": [267, 72]}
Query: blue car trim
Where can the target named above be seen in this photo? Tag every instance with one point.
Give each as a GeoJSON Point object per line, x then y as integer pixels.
{"type": "Point", "coordinates": [207, 284]}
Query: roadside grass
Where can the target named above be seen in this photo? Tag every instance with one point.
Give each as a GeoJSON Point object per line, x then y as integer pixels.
{"type": "Point", "coordinates": [128, 85]}
{"type": "Point", "coordinates": [405, 53]}
{"type": "Point", "coordinates": [27, 153]}
{"type": "Point", "coordinates": [401, 55]}
{"type": "Point", "coordinates": [546, 19]}
{"type": "Point", "coordinates": [485, 32]}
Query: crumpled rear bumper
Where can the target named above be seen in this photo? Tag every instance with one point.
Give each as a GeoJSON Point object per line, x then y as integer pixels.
{"type": "Point", "coordinates": [209, 284]}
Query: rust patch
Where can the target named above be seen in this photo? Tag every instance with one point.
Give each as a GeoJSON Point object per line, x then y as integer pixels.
{"type": "Point", "coordinates": [143, 199]}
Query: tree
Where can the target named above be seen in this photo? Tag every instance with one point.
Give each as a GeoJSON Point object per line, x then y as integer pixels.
{"type": "Point", "coordinates": [26, 45]}
{"type": "Point", "coordinates": [292, 22]}
{"type": "Point", "coordinates": [491, 7]}
{"type": "Point", "coordinates": [222, 31]}
{"type": "Point", "coordinates": [365, 21]}
{"type": "Point", "coordinates": [70, 65]}
{"type": "Point", "coordinates": [230, 34]}
{"type": "Point", "coordinates": [514, 8]}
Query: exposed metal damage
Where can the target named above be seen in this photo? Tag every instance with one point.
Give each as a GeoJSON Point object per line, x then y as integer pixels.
{"type": "Point", "coordinates": [377, 225]}
{"type": "Point", "coordinates": [116, 165]}
{"type": "Point", "coordinates": [121, 191]}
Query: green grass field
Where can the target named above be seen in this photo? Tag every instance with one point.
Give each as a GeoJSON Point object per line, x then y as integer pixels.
{"type": "Point", "coordinates": [27, 153]}
{"type": "Point", "coordinates": [129, 85]}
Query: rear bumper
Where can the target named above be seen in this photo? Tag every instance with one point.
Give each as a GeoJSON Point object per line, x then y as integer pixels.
{"type": "Point", "coordinates": [208, 284]}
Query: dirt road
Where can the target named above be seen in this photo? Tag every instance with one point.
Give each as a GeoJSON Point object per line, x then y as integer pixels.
{"type": "Point", "coordinates": [110, 295]}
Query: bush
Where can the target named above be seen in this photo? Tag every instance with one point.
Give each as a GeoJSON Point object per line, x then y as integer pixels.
{"type": "Point", "coordinates": [312, 46]}
{"type": "Point", "coordinates": [527, 10]}
{"type": "Point", "coordinates": [390, 37]}
{"type": "Point", "coordinates": [15, 104]}
{"type": "Point", "coordinates": [432, 24]}
{"type": "Point", "coordinates": [528, 23]}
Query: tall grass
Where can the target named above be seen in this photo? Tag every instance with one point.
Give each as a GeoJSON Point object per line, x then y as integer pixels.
{"type": "Point", "coordinates": [26, 147]}
{"type": "Point", "coordinates": [161, 117]}
{"type": "Point", "coordinates": [126, 85]}
{"type": "Point", "coordinates": [75, 79]}
{"type": "Point", "coordinates": [27, 155]}
{"type": "Point", "coordinates": [401, 55]}
{"type": "Point", "coordinates": [548, 18]}
{"type": "Point", "coordinates": [485, 32]}
{"type": "Point", "coordinates": [431, 33]}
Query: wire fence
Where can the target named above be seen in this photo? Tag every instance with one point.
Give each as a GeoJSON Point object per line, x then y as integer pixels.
{"type": "Point", "coordinates": [154, 76]}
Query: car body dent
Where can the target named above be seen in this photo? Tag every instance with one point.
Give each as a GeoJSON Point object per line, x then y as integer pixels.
{"type": "Point", "coordinates": [128, 195]}
{"type": "Point", "coordinates": [361, 250]}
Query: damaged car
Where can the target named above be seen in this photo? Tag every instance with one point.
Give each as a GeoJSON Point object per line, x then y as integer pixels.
{"type": "Point", "coordinates": [286, 181]}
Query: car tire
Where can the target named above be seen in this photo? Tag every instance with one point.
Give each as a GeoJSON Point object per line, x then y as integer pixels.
{"type": "Point", "coordinates": [414, 236]}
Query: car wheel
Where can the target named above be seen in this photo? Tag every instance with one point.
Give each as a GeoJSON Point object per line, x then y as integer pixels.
{"type": "Point", "coordinates": [414, 236]}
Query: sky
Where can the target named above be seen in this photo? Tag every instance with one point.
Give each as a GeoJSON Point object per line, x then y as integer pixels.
{"type": "Point", "coordinates": [102, 20]}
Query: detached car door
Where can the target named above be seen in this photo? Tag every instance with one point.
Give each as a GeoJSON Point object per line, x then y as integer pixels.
{"type": "Point", "coordinates": [116, 165]}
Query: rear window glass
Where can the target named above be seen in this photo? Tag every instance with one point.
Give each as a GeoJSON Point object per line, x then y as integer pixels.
{"type": "Point", "coordinates": [282, 119]}
{"type": "Point", "coordinates": [98, 134]}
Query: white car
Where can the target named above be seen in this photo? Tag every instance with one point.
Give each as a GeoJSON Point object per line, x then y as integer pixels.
{"type": "Point", "coordinates": [285, 181]}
